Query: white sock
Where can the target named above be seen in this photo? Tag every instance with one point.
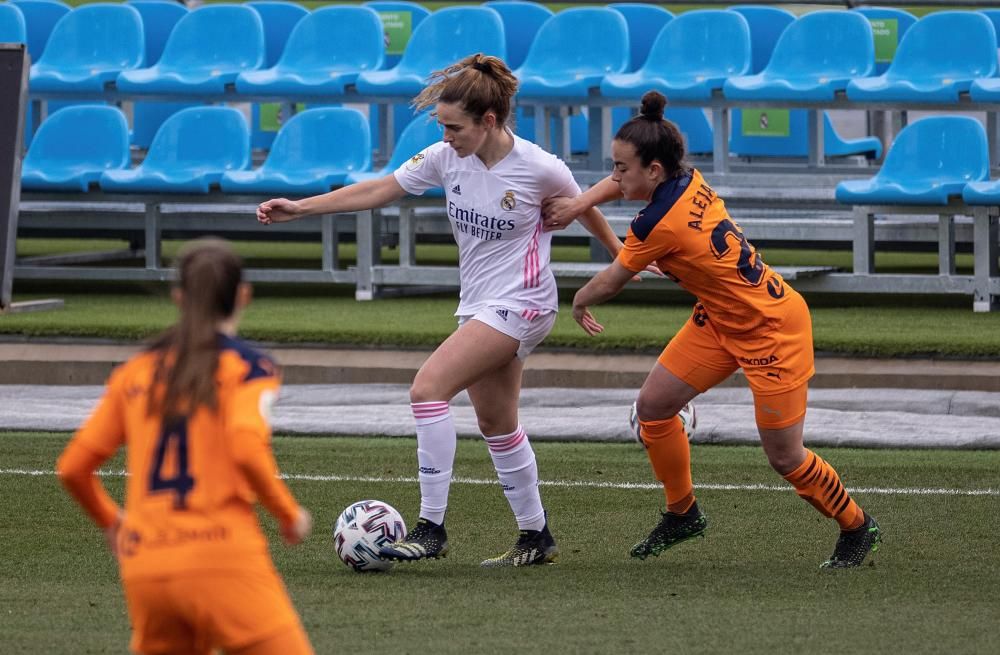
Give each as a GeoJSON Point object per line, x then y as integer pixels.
{"type": "Point", "coordinates": [436, 443]}
{"type": "Point", "coordinates": [514, 461]}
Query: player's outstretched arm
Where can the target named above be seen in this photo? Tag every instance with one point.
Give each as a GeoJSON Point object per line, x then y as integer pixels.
{"type": "Point", "coordinates": [602, 287]}
{"type": "Point", "coordinates": [355, 197]}
{"type": "Point", "coordinates": [559, 212]}
{"type": "Point", "coordinates": [595, 222]}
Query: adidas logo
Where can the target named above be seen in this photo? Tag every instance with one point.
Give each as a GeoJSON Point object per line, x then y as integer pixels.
{"type": "Point", "coordinates": [502, 313]}
{"type": "Point", "coordinates": [429, 470]}
{"type": "Point", "coordinates": [457, 189]}
{"type": "Point", "coordinates": [526, 558]}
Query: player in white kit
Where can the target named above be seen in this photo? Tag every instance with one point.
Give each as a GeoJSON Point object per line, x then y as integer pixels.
{"type": "Point", "coordinates": [494, 185]}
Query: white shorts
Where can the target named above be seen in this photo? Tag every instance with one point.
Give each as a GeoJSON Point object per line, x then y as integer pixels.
{"type": "Point", "coordinates": [529, 326]}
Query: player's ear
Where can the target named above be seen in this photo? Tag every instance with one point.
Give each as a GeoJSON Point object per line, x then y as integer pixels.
{"type": "Point", "coordinates": [656, 170]}
{"type": "Point", "coordinates": [489, 120]}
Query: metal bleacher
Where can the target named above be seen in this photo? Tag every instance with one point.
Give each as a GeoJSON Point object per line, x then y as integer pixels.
{"type": "Point", "coordinates": [785, 201]}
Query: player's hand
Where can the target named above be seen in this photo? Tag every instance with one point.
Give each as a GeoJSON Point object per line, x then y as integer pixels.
{"type": "Point", "coordinates": [558, 213]}
{"type": "Point", "coordinates": [278, 210]}
{"type": "Point", "coordinates": [652, 268]}
{"type": "Point", "coordinates": [296, 532]}
{"type": "Point", "coordinates": [586, 320]}
{"type": "Point", "coordinates": [111, 534]}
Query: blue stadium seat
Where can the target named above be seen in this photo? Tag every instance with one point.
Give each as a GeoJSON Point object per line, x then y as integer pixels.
{"type": "Point", "coordinates": [88, 48]}
{"type": "Point", "coordinates": [189, 154]}
{"type": "Point", "coordinates": [572, 53]}
{"type": "Point", "coordinates": [396, 17]}
{"type": "Point", "coordinates": [279, 19]}
{"type": "Point", "coordinates": [889, 20]}
{"type": "Point", "coordinates": [158, 20]}
{"type": "Point", "coordinates": [402, 11]}
{"type": "Point", "coordinates": [40, 16]}
{"type": "Point", "coordinates": [422, 131]}
{"type": "Point", "coordinates": [937, 59]}
{"type": "Point", "coordinates": [326, 52]}
{"type": "Point", "coordinates": [814, 58]}
{"type": "Point", "coordinates": [12, 29]}
{"type": "Point", "coordinates": [982, 193]}
{"type": "Point", "coordinates": [766, 25]}
{"type": "Point", "coordinates": [313, 152]}
{"type": "Point", "coordinates": [74, 146]}
{"type": "Point", "coordinates": [930, 161]}
{"type": "Point", "coordinates": [987, 90]}
{"type": "Point", "coordinates": [440, 40]}
{"type": "Point", "coordinates": [692, 57]}
{"type": "Point", "coordinates": [994, 16]}
{"type": "Point", "coordinates": [644, 24]}
{"type": "Point", "coordinates": [205, 52]}
{"type": "Point", "coordinates": [521, 21]}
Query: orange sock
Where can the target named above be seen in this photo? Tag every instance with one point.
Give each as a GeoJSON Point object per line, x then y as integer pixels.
{"type": "Point", "coordinates": [816, 482]}
{"type": "Point", "coordinates": [670, 454]}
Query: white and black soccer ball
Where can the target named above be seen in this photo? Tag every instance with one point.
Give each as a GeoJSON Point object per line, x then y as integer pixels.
{"type": "Point", "coordinates": [362, 529]}
{"type": "Point", "coordinates": [687, 415]}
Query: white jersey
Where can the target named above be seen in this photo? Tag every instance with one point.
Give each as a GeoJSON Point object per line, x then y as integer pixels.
{"type": "Point", "coordinates": [503, 254]}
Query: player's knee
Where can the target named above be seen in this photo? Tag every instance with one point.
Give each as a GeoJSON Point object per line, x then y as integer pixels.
{"type": "Point", "coordinates": [424, 390]}
{"type": "Point", "coordinates": [784, 461]}
{"type": "Point", "coordinates": [494, 426]}
{"type": "Point", "coordinates": [657, 408]}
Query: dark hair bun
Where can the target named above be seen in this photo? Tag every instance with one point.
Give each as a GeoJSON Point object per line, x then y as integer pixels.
{"type": "Point", "coordinates": [653, 103]}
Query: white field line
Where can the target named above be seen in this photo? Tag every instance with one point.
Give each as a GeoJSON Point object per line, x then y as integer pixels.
{"type": "Point", "coordinates": [589, 484]}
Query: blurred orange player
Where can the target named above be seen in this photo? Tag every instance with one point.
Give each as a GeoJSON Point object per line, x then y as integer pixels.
{"type": "Point", "coordinates": [193, 412]}
{"type": "Point", "coordinates": [746, 318]}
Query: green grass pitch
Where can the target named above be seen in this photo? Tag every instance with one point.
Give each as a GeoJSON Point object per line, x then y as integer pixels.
{"type": "Point", "coordinates": [751, 586]}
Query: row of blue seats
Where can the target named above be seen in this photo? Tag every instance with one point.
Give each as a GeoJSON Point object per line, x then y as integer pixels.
{"type": "Point", "coordinates": [931, 161]}
{"type": "Point", "coordinates": [694, 55]}
{"type": "Point", "coordinates": [198, 148]}
{"type": "Point", "coordinates": [522, 20]}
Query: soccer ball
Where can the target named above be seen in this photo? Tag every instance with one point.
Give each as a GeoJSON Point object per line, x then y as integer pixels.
{"type": "Point", "coordinates": [364, 527]}
{"type": "Point", "coordinates": [687, 415]}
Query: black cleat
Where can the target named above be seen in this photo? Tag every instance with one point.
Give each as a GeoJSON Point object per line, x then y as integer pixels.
{"type": "Point", "coordinates": [532, 547]}
{"type": "Point", "coordinates": [427, 540]}
{"type": "Point", "coordinates": [672, 530]}
{"type": "Point", "coordinates": [854, 545]}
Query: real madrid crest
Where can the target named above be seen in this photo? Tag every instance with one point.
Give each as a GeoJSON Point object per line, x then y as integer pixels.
{"type": "Point", "coordinates": [508, 202]}
{"type": "Point", "coordinates": [415, 162]}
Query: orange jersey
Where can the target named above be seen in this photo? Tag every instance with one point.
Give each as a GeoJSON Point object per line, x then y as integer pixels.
{"type": "Point", "coordinates": [687, 231]}
{"type": "Point", "coordinates": [192, 483]}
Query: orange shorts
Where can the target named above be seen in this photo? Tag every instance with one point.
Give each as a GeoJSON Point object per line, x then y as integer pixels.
{"type": "Point", "coordinates": [777, 364]}
{"type": "Point", "coordinates": [199, 612]}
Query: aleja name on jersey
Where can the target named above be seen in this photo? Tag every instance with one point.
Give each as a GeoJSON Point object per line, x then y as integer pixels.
{"type": "Point", "coordinates": [479, 226]}
{"type": "Point", "coordinates": [703, 196]}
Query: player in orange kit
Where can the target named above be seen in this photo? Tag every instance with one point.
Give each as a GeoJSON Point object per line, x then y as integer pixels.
{"type": "Point", "coordinates": [192, 411]}
{"type": "Point", "coordinates": [746, 317]}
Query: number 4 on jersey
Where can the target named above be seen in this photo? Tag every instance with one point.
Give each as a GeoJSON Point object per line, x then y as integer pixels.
{"type": "Point", "coordinates": [172, 446]}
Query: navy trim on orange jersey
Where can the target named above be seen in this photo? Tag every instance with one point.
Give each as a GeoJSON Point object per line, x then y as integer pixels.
{"type": "Point", "coordinates": [261, 366]}
{"type": "Point", "coordinates": [664, 197]}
